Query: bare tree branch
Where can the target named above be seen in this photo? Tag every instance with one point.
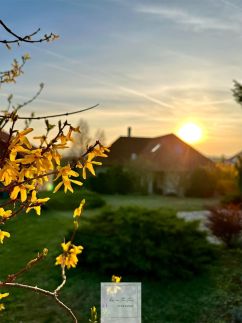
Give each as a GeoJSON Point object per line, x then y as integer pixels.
{"type": "Point", "coordinates": [51, 116]}
{"type": "Point", "coordinates": [28, 38]}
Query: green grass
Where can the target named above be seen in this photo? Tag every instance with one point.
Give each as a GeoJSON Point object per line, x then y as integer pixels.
{"type": "Point", "coordinates": [207, 298]}
{"type": "Point", "coordinates": [157, 201]}
{"type": "Point", "coordinates": [69, 201]}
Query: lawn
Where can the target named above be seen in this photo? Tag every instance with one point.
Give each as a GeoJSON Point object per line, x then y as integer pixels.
{"type": "Point", "coordinates": [157, 201]}
{"type": "Point", "coordinates": [206, 298]}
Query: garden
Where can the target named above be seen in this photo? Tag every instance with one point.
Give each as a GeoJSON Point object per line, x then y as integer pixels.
{"type": "Point", "coordinates": [185, 280]}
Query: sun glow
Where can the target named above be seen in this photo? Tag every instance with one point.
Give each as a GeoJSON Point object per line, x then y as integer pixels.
{"type": "Point", "coordinates": [190, 132]}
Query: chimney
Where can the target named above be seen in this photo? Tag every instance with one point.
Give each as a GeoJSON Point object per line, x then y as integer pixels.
{"type": "Point", "coordinates": [129, 131]}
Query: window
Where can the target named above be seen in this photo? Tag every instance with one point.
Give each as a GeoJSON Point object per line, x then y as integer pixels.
{"type": "Point", "coordinates": [154, 149]}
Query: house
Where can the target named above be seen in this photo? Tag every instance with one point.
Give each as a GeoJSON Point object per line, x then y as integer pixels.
{"type": "Point", "coordinates": [165, 162]}
{"type": "Point", "coordinates": [233, 160]}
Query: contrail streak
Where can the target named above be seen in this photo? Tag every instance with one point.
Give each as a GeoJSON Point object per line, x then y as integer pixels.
{"type": "Point", "coordinates": [119, 87]}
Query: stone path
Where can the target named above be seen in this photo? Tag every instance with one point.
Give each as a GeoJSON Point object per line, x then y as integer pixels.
{"type": "Point", "coordinates": [202, 217]}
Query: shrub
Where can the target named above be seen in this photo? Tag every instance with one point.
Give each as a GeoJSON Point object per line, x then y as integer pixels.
{"type": "Point", "coordinates": [69, 201]}
{"type": "Point", "coordinates": [202, 183]}
{"type": "Point", "coordinates": [137, 241]}
{"type": "Point", "coordinates": [116, 180]}
{"type": "Point", "coordinates": [226, 175]}
{"type": "Point", "coordinates": [235, 199]}
{"type": "Point", "coordinates": [226, 224]}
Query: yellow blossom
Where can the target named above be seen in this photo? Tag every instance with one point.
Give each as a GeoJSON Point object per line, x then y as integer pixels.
{"type": "Point", "coordinates": [9, 173]}
{"type": "Point", "coordinates": [36, 203]}
{"type": "Point", "coordinates": [116, 279]}
{"type": "Point", "coordinates": [69, 256]}
{"type": "Point", "coordinates": [88, 165]}
{"type": "Point", "coordinates": [3, 295]}
{"type": "Point", "coordinates": [66, 172]}
{"type": "Point", "coordinates": [100, 151]}
{"type": "Point", "coordinates": [5, 214]}
{"type": "Point", "coordinates": [3, 234]}
{"type": "Point", "coordinates": [78, 211]}
{"type": "Point", "coordinates": [20, 138]}
{"type": "Point", "coordinates": [19, 189]}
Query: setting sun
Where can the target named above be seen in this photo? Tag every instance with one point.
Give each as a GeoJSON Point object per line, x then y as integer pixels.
{"type": "Point", "coordinates": [190, 133]}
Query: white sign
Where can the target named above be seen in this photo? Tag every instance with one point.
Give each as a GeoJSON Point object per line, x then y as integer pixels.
{"type": "Point", "coordinates": [120, 302]}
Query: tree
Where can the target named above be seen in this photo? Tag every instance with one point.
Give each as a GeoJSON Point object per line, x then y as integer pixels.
{"type": "Point", "coordinates": [239, 170]}
{"type": "Point", "coordinates": [25, 167]}
{"type": "Point", "coordinates": [237, 93]}
{"type": "Point", "coordinates": [100, 135]}
{"type": "Point", "coordinates": [82, 139]}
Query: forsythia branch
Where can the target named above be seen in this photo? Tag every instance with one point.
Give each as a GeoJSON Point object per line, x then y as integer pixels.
{"type": "Point", "coordinates": [44, 292]}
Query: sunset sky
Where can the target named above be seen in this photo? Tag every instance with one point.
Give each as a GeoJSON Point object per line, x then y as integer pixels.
{"type": "Point", "coordinates": [152, 65]}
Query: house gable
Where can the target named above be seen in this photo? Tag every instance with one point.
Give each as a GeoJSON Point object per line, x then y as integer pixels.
{"type": "Point", "coordinates": [170, 153]}
{"type": "Point", "coordinates": [160, 154]}
{"type": "Point", "coordinates": [125, 149]}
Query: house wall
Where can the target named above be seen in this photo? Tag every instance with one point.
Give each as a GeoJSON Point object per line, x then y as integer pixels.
{"type": "Point", "coordinates": [172, 183]}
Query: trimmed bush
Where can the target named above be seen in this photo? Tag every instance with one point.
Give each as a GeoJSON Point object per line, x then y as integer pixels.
{"type": "Point", "coordinates": [137, 241]}
{"type": "Point", "coordinates": [226, 224]}
{"type": "Point", "coordinates": [115, 180]}
{"type": "Point", "coordinates": [69, 201]}
{"type": "Point", "coordinates": [202, 183]}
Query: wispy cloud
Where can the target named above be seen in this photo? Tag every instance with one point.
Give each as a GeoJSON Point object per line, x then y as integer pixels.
{"type": "Point", "coordinates": [121, 88]}
{"type": "Point", "coordinates": [187, 19]}
{"type": "Point", "coordinates": [231, 4]}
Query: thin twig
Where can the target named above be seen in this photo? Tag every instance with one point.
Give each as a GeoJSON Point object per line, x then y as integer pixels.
{"type": "Point", "coordinates": [19, 106]}
{"type": "Point", "coordinates": [44, 292]}
{"type": "Point", "coordinates": [53, 115]}
{"type": "Point", "coordinates": [4, 220]}
{"type": "Point", "coordinates": [12, 277]}
{"type": "Point", "coordinates": [63, 275]}
{"type": "Point", "coordinates": [26, 38]}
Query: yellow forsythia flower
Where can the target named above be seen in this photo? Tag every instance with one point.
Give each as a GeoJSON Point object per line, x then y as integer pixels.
{"type": "Point", "coordinates": [5, 214]}
{"type": "Point", "coordinates": [19, 189]}
{"type": "Point", "coordinates": [93, 318]}
{"type": "Point", "coordinates": [116, 279]}
{"type": "Point", "coordinates": [88, 165]}
{"type": "Point", "coordinates": [69, 256]}
{"type": "Point", "coordinates": [78, 211]}
{"type": "Point", "coordinates": [3, 295]}
{"type": "Point", "coordinates": [36, 203]}
{"type": "Point", "coordinates": [3, 234]}
{"type": "Point", "coordinates": [65, 172]}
